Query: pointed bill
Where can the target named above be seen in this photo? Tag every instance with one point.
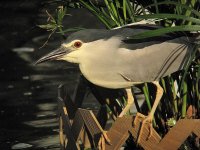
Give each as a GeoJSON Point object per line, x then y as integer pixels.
{"type": "Point", "coordinates": [53, 55]}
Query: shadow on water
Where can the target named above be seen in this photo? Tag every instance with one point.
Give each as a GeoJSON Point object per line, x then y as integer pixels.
{"type": "Point", "coordinates": [28, 94]}
{"type": "Point", "coordinates": [28, 108]}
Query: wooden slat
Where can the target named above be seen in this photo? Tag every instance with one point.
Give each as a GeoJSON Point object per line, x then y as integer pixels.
{"type": "Point", "coordinates": [93, 126]}
{"type": "Point", "coordinates": [119, 132]}
{"type": "Point", "coordinates": [67, 125]}
{"type": "Point", "coordinates": [77, 125]}
{"type": "Point", "coordinates": [82, 124]}
{"type": "Point", "coordinates": [179, 133]}
{"type": "Point", "coordinates": [153, 140]}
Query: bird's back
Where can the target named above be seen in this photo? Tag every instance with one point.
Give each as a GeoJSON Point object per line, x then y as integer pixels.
{"type": "Point", "coordinates": [157, 60]}
{"type": "Point", "coordinates": [157, 57]}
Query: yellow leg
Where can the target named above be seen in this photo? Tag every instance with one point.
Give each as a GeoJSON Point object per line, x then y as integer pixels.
{"type": "Point", "coordinates": [103, 140]}
{"type": "Point", "coordinates": [130, 101]}
{"type": "Point", "coordinates": [149, 118]}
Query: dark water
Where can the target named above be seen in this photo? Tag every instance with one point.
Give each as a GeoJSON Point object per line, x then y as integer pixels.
{"type": "Point", "coordinates": [28, 93]}
{"type": "Point", "coordinates": [28, 107]}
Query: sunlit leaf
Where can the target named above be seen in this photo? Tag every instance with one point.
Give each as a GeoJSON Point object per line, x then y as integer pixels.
{"type": "Point", "coordinates": [161, 31]}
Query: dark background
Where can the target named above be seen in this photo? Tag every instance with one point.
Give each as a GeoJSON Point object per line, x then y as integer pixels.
{"type": "Point", "coordinates": [28, 107]}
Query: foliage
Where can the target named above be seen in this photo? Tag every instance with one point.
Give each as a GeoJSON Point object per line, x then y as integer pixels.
{"type": "Point", "coordinates": [55, 23]}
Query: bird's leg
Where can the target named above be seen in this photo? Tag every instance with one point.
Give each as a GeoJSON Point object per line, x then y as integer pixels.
{"type": "Point", "coordinates": [103, 139]}
{"type": "Point", "coordinates": [130, 100]}
{"type": "Point", "coordinates": [149, 118]}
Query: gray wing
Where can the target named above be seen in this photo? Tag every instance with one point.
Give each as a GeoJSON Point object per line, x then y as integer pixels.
{"type": "Point", "coordinates": [150, 60]}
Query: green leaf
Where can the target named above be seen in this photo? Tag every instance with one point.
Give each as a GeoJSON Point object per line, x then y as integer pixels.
{"type": "Point", "coordinates": [48, 26]}
{"type": "Point", "coordinates": [177, 4]}
{"type": "Point", "coordinates": [165, 30]}
{"type": "Point", "coordinates": [156, 5]}
{"type": "Point", "coordinates": [113, 12]}
{"type": "Point", "coordinates": [169, 16]}
{"type": "Point", "coordinates": [184, 104]}
{"type": "Point", "coordinates": [72, 29]}
{"type": "Point", "coordinates": [99, 14]}
{"type": "Point", "coordinates": [187, 65]}
{"type": "Point", "coordinates": [147, 96]}
{"type": "Point", "coordinates": [130, 10]}
{"type": "Point", "coordinates": [124, 10]}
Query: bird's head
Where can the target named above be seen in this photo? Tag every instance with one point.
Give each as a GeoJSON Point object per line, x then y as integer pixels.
{"type": "Point", "coordinates": [86, 44]}
{"type": "Point", "coordinates": [67, 51]}
{"type": "Point", "coordinates": [71, 49]}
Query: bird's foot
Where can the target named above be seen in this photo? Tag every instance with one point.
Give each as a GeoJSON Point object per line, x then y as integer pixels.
{"type": "Point", "coordinates": [145, 127]}
{"type": "Point", "coordinates": [104, 139]}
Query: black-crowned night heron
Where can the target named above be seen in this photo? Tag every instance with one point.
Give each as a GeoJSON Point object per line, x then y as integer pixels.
{"type": "Point", "coordinates": [108, 59]}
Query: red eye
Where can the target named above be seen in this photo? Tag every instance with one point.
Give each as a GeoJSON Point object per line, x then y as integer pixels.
{"type": "Point", "coordinates": [77, 44]}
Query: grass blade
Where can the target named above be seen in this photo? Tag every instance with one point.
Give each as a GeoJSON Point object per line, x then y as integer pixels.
{"type": "Point", "coordinates": [130, 10]}
{"type": "Point", "coordinates": [165, 30]}
{"type": "Point", "coordinates": [184, 103]}
{"type": "Point", "coordinates": [177, 4]}
{"type": "Point", "coordinates": [124, 10]}
{"type": "Point", "coordinates": [101, 16]}
{"type": "Point", "coordinates": [169, 16]}
{"type": "Point", "coordinates": [156, 5]}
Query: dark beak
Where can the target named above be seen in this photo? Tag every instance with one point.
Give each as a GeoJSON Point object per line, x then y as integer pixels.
{"type": "Point", "coordinates": [53, 55]}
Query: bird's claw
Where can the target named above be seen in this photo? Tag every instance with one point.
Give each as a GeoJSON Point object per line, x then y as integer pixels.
{"type": "Point", "coordinates": [104, 139]}
{"type": "Point", "coordinates": [101, 144]}
{"type": "Point", "coordinates": [150, 131]}
{"type": "Point", "coordinates": [146, 122]}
